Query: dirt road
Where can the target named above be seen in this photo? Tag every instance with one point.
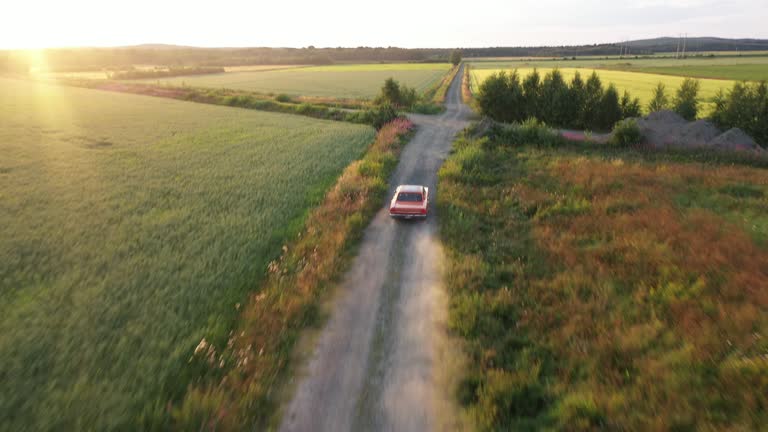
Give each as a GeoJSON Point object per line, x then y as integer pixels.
{"type": "Point", "coordinates": [378, 362]}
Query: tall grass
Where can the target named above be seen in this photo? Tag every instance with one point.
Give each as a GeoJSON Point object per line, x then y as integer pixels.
{"type": "Point", "coordinates": [245, 374]}
{"type": "Point", "coordinates": [605, 288]}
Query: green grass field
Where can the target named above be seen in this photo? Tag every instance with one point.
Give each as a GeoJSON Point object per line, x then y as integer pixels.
{"type": "Point", "coordinates": [745, 72]}
{"type": "Point", "coordinates": [639, 85]}
{"type": "Point", "coordinates": [750, 68]}
{"type": "Point", "coordinates": [132, 227]}
{"type": "Point", "coordinates": [607, 289]}
{"type": "Point", "coordinates": [342, 81]}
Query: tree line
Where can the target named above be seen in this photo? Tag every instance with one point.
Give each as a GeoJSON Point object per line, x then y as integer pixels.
{"type": "Point", "coordinates": [578, 104]}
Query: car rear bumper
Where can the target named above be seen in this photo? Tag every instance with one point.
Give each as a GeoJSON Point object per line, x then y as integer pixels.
{"type": "Point", "coordinates": [408, 215]}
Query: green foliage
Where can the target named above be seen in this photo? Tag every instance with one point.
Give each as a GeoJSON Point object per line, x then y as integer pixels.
{"type": "Point", "coordinates": [686, 101]}
{"type": "Point", "coordinates": [504, 98]}
{"type": "Point", "coordinates": [282, 97]}
{"type": "Point", "coordinates": [660, 100]}
{"type": "Point", "coordinates": [396, 94]}
{"type": "Point", "coordinates": [745, 106]}
{"type": "Point", "coordinates": [127, 240]}
{"type": "Point", "coordinates": [630, 107]}
{"type": "Point", "coordinates": [609, 111]}
{"type": "Point", "coordinates": [164, 72]}
{"type": "Point", "coordinates": [593, 95]}
{"type": "Point", "coordinates": [626, 133]}
{"type": "Point", "coordinates": [456, 57]}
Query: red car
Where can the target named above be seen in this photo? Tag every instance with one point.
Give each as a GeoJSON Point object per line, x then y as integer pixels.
{"type": "Point", "coordinates": [409, 202]}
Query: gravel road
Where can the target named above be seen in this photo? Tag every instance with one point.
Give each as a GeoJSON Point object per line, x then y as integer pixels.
{"type": "Point", "coordinates": [380, 361]}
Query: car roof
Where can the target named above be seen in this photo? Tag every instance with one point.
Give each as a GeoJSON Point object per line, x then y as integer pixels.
{"type": "Point", "coordinates": [411, 188]}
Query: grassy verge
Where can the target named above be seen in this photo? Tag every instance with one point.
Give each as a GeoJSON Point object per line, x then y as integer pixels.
{"type": "Point", "coordinates": [436, 94]}
{"type": "Point", "coordinates": [604, 288]}
{"type": "Point", "coordinates": [466, 87]}
{"type": "Point", "coordinates": [241, 380]}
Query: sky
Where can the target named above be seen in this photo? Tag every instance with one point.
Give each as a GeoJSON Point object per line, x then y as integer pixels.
{"type": "Point", "coordinates": [350, 23]}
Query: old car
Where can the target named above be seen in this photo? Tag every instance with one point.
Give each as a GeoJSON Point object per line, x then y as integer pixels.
{"type": "Point", "coordinates": [410, 201]}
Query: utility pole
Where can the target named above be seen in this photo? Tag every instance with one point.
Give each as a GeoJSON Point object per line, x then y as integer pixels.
{"type": "Point", "coordinates": [685, 42]}
{"type": "Point", "coordinates": [677, 54]}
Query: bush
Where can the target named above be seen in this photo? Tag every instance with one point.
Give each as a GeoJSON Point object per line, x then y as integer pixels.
{"type": "Point", "coordinates": [396, 94]}
{"type": "Point", "coordinates": [686, 101]}
{"type": "Point", "coordinates": [282, 97]}
{"type": "Point", "coordinates": [626, 133]}
{"type": "Point", "coordinates": [378, 116]}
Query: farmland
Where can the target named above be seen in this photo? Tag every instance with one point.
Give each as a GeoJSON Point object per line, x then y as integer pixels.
{"type": "Point", "coordinates": [126, 240]}
{"type": "Point", "coordinates": [604, 288]}
{"type": "Point", "coordinates": [361, 81]}
{"type": "Point", "coordinates": [749, 68]}
{"type": "Point", "coordinates": [639, 85]}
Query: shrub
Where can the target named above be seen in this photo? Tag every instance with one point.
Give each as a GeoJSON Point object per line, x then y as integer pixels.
{"type": "Point", "coordinates": [593, 94]}
{"type": "Point", "coordinates": [660, 101]}
{"type": "Point", "coordinates": [554, 105]}
{"type": "Point", "coordinates": [686, 101]}
{"type": "Point", "coordinates": [626, 133]}
{"type": "Point", "coordinates": [282, 97]}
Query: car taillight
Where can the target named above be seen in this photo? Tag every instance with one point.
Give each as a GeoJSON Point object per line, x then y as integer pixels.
{"type": "Point", "coordinates": [424, 210]}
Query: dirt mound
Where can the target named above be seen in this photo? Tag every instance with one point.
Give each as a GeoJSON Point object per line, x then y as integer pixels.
{"type": "Point", "coordinates": [667, 129]}
{"type": "Point", "coordinates": [735, 139]}
{"type": "Point", "coordinates": [661, 129]}
{"type": "Point", "coordinates": [698, 134]}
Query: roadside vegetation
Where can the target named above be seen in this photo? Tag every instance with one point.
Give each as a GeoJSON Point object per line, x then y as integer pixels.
{"type": "Point", "coordinates": [606, 287]}
{"type": "Point", "coordinates": [242, 377]}
{"type": "Point", "coordinates": [127, 240]}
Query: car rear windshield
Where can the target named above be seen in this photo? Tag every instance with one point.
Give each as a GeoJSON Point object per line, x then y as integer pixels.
{"type": "Point", "coordinates": [409, 197]}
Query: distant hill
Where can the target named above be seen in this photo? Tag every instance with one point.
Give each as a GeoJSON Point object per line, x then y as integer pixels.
{"type": "Point", "coordinates": [697, 44]}
{"type": "Point", "coordinates": [123, 58]}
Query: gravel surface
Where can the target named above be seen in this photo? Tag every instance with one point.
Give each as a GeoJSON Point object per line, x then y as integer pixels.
{"type": "Point", "coordinates": [378, 364]}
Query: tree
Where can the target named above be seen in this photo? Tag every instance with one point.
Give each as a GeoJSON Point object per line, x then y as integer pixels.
{"type": "Point", "coordinates": [686, 101]}
{"type": "Point", "coordinates": [576, 100]}
{"type": "Point", "coordinates": [609, 111]}
{"type": "Point", "coordinates": [396, 94]}
{"type": "Point", "coordinates": [629, 107]}
{"type": "Point", "coordinates": [554, 99]}
{"type": "Point", "coordinates": [456, 57]}
{"type": "Point", "coordinates": [660, 101]}
{"type": "Point", "coordinates": [745, 106]}
{"type": "Point", "coordinates": [593, 95]}
{"type": "Point", "coordinates": [532, 93]}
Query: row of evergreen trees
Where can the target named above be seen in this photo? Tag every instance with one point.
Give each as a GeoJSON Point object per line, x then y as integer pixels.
{"type": "Point", "coordinates": [579, 104]}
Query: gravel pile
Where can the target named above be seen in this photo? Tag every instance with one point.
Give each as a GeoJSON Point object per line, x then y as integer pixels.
{"type": "Point", "coordinates": [667, 129]}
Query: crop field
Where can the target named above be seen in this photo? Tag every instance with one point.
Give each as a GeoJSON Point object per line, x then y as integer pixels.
{"type": "Point", "coordinates": [750, 68]}
{"type": "Point", "coordinates": [603, 288]}
{"type": "Point", "coordinates": [343, 81]}
{"type": "Point", "coordinates": [745, 72]}
{"type": "Point", "coordinates": [639, 85]}
{"type": "Point", "coordinates": [133, 227]}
